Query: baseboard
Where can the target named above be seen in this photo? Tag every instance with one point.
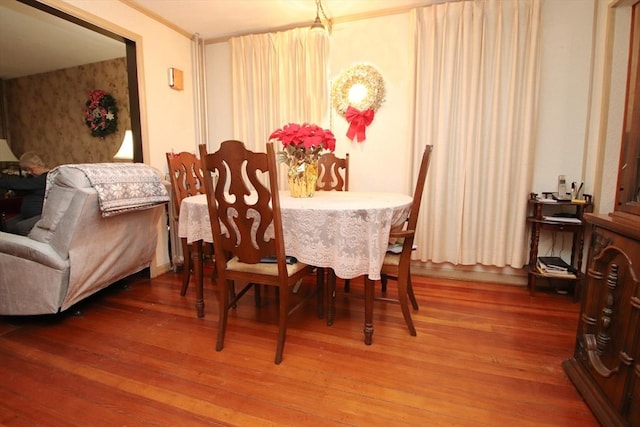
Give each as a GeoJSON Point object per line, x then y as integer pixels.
{"type": "Point", "coordinates": [157, 270]}
{"type": "Point", "coordinates": [506, 275]}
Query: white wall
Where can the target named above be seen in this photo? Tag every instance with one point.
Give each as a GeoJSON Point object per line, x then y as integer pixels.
{"type": "Point", "coordinates": [563, 144]}
{"type": "Point", "coordinates": [168, 119]}
{"type": "Point", "coordinates": [572, 137]}
{"type": "Point", "coordinates": [582, 95]}
{"type": "Point", "coordinates": [375, 164]}
{"type": "Point", "coordinates": [565, 67]}
{"type": "Point", "coordinates": [382, 43]}
{"type": "Point", "coordinates": [388, 137]}
{"type": "Point", "coordinates": [575, 138]}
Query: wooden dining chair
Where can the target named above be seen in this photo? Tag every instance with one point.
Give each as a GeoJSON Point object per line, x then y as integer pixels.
{"type": "Point", "coordinates": [186, 180]}
{"type": "Point", "coordinates": [398, 266]}
{"type": "Point", "coordinates": [247, 229]}
{"type": "Point", "coordinates": [333, 173]}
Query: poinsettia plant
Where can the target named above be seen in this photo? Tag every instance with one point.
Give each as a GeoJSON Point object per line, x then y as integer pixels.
{"type": "Point", "coordinates": [303, 142]}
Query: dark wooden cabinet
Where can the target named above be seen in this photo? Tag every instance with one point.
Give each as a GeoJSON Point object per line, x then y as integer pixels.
{"type": "Point", "coordinates": [605, 367]}
{"type": "Point", "coordinates": [10, 206]}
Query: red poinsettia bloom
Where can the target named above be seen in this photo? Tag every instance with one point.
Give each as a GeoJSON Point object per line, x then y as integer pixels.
{"type": "Point", "coordinates": [305, 141]}
{"type": "Point", "coordinates": [95, 96]}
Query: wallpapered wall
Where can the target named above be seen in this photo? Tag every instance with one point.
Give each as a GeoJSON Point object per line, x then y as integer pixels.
{"type": "Point", "coordinates": [45, 113]}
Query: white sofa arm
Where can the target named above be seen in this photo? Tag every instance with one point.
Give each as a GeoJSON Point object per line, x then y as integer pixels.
{"type": "Point", "coordinates": [29, 249]}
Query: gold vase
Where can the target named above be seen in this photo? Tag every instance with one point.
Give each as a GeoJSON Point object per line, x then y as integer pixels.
{"type": "Point", "coordinates": [302, 178]}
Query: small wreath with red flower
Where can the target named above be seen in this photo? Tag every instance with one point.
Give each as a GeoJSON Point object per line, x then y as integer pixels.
{"type": "Point", "coordinates": [101, 114]}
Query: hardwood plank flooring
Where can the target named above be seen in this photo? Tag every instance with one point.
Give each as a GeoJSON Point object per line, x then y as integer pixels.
{"type": "Point", "coordinates": [485, 355]}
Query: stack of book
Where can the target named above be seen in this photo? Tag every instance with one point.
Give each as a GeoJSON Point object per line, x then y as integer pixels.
{"type": "Point", "coordinates": [555, 267]}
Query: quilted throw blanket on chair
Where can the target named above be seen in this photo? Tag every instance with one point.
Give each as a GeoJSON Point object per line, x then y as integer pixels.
{"type": "Point", "coordinates": [121, 187]}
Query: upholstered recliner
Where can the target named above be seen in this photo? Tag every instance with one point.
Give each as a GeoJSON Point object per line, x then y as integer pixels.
{"type": "Point", "coordinates": [78, 247]}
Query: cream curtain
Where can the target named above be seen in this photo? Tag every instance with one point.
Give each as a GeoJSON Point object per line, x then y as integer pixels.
{"type": "Point", "coordinates": [277, 78]}
{"type": "Point", "coordinates": [476, 99]}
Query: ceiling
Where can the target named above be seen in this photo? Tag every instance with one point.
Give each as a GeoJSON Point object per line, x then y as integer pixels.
{"type": "Point", "coordinates": [214, 19]}
{"type": "Point", "coordinates": [34, 42]}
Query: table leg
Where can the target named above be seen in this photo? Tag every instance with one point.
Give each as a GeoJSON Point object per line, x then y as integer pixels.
{"type": "Point", "coordinates": [369, 291]}
{"type": "Point", "coordinates": [196, 258]}
{"type": "Point", "coordinates": [331, 296]}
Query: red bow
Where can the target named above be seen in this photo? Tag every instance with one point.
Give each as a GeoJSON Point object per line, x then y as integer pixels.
{"type": "Point", "coordinates": [359, 120]}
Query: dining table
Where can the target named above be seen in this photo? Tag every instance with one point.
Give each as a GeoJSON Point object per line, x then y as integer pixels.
{"type": "Point", "coordinates": [346, 232]}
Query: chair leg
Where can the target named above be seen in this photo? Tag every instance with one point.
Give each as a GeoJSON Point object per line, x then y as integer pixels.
{"type": "Point", "coordinates": [232, 293]}
{"type": "Point", "coordinates": [404, 304]}
{"type": "Point", "coordinates": [412, 296]}
{"type": "Point", "coordinates": [223, 292]}
{"type": "Point", "coordinates": [320, 289]}
{"type": "Point", "coordinates": [187, 266]}
{"type": "Point", "coordinates": [283, 302]}
{"type": "Point", "coordinates": [383, 280]}
{"type": "Point", "coordinates": [214, 271]}
{"type": "Point", "coordinates": [330, 296]}
{"type": "Point", "coordinates": [347, 285]}
{"type": "Point", "coordinates": [257, 289]}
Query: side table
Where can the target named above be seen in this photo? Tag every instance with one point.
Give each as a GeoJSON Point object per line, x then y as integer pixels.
{"type": "Point", "coordinates": [574, 223]}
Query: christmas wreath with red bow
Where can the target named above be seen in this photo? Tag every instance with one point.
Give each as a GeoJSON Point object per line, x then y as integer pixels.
{"type": "Point", "coordinates": [356, 95]}
{"type": "Point", "coordinates": [101, 114]}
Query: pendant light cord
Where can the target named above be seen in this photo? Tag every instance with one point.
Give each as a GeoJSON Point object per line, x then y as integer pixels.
{"type": "Point", "coordinates": [320, 10]}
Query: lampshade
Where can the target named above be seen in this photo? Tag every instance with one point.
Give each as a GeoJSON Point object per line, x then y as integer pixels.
{"type": "Point", "coordinates": [317, 25]}
{"type": "Point", "coordinates": [126, 148]}
{"type": "Point", "coordinates": [318, 36]}
{"type": "Point", "coordinates": [6, 155]}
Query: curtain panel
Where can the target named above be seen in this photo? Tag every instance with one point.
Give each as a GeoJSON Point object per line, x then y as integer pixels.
{"type": "Point", "coordinates": [277, 78]}
{"type": "Point", "coordinates": [477, 67]}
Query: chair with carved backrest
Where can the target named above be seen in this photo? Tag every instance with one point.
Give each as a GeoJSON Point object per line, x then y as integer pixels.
{"type": "Point", "coordinates": [186, 180]}
{"type": "Point", "coordinates": [333, 175]}
{"type": "Point", "coordinates": [398, 266]}
{"type": "Point", "coordinates": [247, 229]}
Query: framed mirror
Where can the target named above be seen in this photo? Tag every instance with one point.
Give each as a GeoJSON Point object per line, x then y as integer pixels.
{"type": "Point", "coordinates": [51, 62]}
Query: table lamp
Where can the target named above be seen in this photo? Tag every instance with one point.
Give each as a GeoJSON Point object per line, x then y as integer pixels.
{"type": "Point", "coordinates": [125, 153]}
{"type": "Point", "coordinates": [6, 155]}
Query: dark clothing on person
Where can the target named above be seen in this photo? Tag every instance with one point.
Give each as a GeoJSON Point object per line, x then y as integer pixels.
{"type": "Point", "coordinates": [33, 189]}
{"type": "Point", "coordinates": [19, 225]}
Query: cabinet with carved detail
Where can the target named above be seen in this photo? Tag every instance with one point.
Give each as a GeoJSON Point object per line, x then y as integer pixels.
{"type": "Point", "coordinates": [605, 367]}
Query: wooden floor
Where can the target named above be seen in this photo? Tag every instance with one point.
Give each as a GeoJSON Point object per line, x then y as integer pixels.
{"type": "Point", "coordinates": [485, 355]}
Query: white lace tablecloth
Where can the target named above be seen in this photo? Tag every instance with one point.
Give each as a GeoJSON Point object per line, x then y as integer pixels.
{"type": "Point", "coordinates": [347, 231]}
